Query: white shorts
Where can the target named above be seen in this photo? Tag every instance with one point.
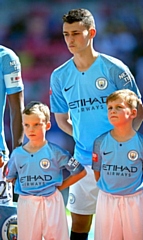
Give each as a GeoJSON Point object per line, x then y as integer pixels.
{"type": "Point", "coordinates": [6, 191]}
{"type": "Point", "coordinates": [119, 217]}
{"type": "Point", "coordinates": [83, 194]}
{"type": "Point", "coordinates": [40, 216]}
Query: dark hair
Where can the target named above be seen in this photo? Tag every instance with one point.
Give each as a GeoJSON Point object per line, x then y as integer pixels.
{"type": "Point", "coordinates": [79, 15]}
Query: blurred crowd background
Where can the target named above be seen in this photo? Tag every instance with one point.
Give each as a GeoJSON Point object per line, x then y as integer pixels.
{"type": "Point", "coordinates": [33, 29]}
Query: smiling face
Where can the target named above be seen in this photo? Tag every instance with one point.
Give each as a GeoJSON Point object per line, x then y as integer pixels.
{"type": "Point", "coordinates": [35, 126]}
{"type": "Point", "coordinates": [119, 112]}
{"type": "Point", "coordinates": [77, 36]}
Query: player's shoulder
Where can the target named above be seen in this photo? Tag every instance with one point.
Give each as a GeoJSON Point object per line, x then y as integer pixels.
{"type": "Point", "coordinates": [17, 153]}
{"type": "Point", "coordinates": [17, 150]}
{"type": "Point", "coordinates": [101, 137]}
{"type": "Point", "coordinates": [140, 136]}
{"type": "Point", "coordinates": [110, 60]}
{"type": "Point", "coordinates": [67, 66]}
{"type": "Point", "coordinates": [5, 51]}
{"type": "Point", "coordinates": [56, 148]}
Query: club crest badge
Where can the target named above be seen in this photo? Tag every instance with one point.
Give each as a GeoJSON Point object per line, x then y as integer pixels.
{"type": "Point", "coordinates": [133, 155]}
{"type": "Point", "coordinates": [9, 228]}
{"type": "Point", "coordinates": [101, 83]}
{"type": "Point", "coordinates": [45, 163]}
{"type": "Point", "coordinates": [71, 198]}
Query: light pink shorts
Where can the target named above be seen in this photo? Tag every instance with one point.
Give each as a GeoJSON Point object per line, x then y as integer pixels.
{"type": "Point", "coordinates": [119, 217]}
{"type": "Point", "coordinates": [42, 217]}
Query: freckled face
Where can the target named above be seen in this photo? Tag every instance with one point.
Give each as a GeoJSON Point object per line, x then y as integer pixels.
{"type": "Point", "coordinates": [118, 112]}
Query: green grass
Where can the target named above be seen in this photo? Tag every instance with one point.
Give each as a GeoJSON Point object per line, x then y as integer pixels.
{"type": "Point", "coordinates": [91, 233]}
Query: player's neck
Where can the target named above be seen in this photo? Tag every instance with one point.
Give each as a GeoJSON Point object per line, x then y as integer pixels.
{"type": "Point", "coordinates": [83, 60]}
{"type": "Point", "coordinates": [122, 134]}
{"type": "Point", "coordinates": [34, 146]}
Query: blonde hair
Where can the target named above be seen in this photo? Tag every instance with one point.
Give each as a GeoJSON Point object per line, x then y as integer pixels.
{"type": "Point", "coordinates": [37, 107]}
{"type": "Point", "coordinates": [127, 95]}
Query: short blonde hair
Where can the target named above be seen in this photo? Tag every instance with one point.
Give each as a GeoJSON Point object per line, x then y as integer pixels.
{"type": "Point", "coordinates": [37, 107]}
{"type": "Point", "coordinates": [127, 95]}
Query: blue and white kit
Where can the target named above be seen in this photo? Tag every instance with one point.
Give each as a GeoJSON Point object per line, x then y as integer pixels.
{"type": "Point", "coordinates": [10, 83]}
{"type": "Point", "coordinates": [40, 173]}
{"type": "Point", "coordinates": [119, 213]}
{"type": "Point", "coordinates": [84, 94]}
{"type": "Point", "coordinates": [119, 163]}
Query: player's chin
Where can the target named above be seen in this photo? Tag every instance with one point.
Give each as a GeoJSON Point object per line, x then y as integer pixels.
{"type": "Point", "coordinates": [72, 50]}
{"type": "Point", "coordinates": [113, 120]}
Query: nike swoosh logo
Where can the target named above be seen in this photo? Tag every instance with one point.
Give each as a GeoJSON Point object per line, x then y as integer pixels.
{"type": "Point", "coordinates": [66, 89]}
{"type": "Point", "coordinates": [22, 166]}
{"type": "Point", "coordinates": [105, 153]}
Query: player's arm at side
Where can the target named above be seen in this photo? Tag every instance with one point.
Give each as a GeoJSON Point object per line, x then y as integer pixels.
{"type": "Point", "coordinates": [72, 179]}
{"type": "Point", "coordinates": [96, 157]}
{"type": "Point", "coordinates": [138, 120]}
{"type": "Point", "coordinates": [64, 122]}
{"type": "Point", "coordinates": [16, 105]}
{"type": "Point", "coordinates": [11, 170]}
{"type": "Point", "coordinates": [97, 175]}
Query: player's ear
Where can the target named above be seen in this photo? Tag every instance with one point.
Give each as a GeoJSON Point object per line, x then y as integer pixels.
{"type": "Point", "coordinates": [134, 113]}
{"type": "Point", "coordinates": [48, 125]}
{"type": "Point", "coordinates": [92, 32]}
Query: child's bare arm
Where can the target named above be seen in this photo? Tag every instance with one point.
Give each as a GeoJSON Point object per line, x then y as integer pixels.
{"type": "Point", "coordinates": [12, 180]}
{"type": "Point", "coordinates": [72, 179]}
{"type": "Point", "coordinates": [1, 161]}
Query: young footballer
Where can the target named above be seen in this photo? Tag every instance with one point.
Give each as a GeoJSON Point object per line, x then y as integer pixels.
{"type": "Point", "coordinates": [79, 88]}
{"type": "Point", "coordinates": [12, 90]}
{"type": "Point", "coordinates": [37, 167]}
{"type": "Point", "coordinates": [117, 163]}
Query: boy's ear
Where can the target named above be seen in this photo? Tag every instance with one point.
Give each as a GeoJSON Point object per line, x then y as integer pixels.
{"type": "Point", "coordinates": [48, 126]}
{"type": "Point", "coordinates": [134, 113]}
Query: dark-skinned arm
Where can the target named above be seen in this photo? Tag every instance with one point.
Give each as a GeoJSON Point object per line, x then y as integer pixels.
{"type": "Point", "coordinates": [97, 175]}
{"type": "Point", "coordinates": [16, 106]}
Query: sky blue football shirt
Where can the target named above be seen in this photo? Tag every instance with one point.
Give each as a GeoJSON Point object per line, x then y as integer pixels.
{"type": "Point", "coordinates": [84, 95]}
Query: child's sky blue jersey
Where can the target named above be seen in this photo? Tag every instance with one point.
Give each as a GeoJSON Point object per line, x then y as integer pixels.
{"type": "Point", "coordinates": [10, 83]}
{"type": "Point", "coordinates": [120, 164]}
{"type": "Point", "coordinates": [39, 173]}
{"type": "Point", "coordinates": [84, 95]}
